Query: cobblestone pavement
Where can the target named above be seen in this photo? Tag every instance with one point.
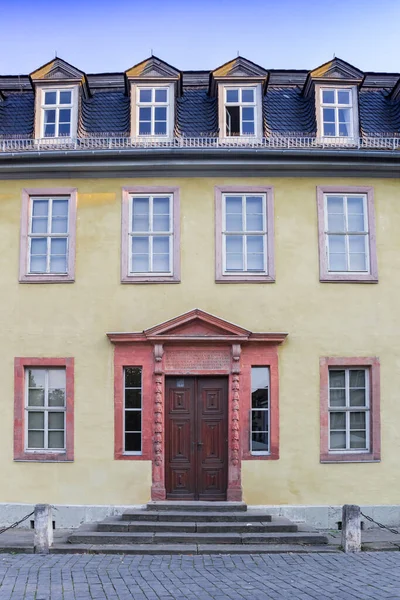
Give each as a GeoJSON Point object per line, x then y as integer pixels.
{"type": "Point", "coordinates": [369, 576]}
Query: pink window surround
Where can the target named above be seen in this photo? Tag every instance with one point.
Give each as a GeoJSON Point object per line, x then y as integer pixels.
{"type": "Point", "coordinates": [220, 277]}
{"type": "Point", "coordinates": [374, 455]}
{"type": "Point", "coordinates": [127, 277]}
{"type": "Point", "coordinates": [27, 194]}
{"type": "Point", "coordinates": [350, 277]}
{"type": "Point", "coordinates": [20, 454]}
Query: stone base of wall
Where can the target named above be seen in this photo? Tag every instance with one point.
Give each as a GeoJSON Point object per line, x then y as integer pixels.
{"type": "Point", "coordinates": [320, 517]}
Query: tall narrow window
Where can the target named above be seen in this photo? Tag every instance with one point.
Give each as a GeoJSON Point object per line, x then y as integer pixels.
{"type": "Point", "coordinates": [57, 113]}
{"type": "Point", "coordinates": [133, 410]}
{"type": "Point", "coordinates": [337, 112]}
{"type": "Point", "coordinates": [349, 410]}
{"type": "Point", "coordinates": [48, 235]}
{"type": "Point", "coordinates": [151, 235]}
{"type": "Point", "coordinates": [240, 111]}
{"type": "Point", "coordinates": [45, 407]}
{"type": "Point", "coordinates": [245, 233]}
{"type": "Point", "coordinates": [347, 234]}
{"type": "Point", "coordinates": [260, 414]}
{"type": "Point", "coordinates": [152, 111]}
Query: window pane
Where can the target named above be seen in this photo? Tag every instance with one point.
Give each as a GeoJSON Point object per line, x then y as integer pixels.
{"type": "Point", "coordinates": [337, 440]}
{"type": "Point", "coordinates": [337, 253]}
{"type": "Point", "coordinates": [328, 96]}
{"type": "Point", "coordinates": [336, 379]}
{"type": "Point", "coordinates": [232, 95]}
{"type": "Point", "coordinates": [145, 95]}
{"type": "Point", "coordinates": [358, 262]}
{"type": "Point", "coordinates": [145, 114]}
{"type": "Point", "coordinates": [358, 439]}
{"type": "Point", "coordinates": [35, 439]}
{"type": "Point", "coordinates": [161, 245]}
{"type": "Point", "coordinates": [56, 439]}
{"type": "Point", "coordinates": [133, 398]}
{"type": "Point", "coordinates": [140, 214]}
{"type": "Point", "coordinates": [133, 377]}
{"type": "Point", "coordinates": [40, 208]}
{"type": "Point", "coordinates": [234, 222]}
{"type": "Point", "coordinates": [161, 263]}
{"type": "Point", "coordinates": [140, 245]}
{"type": "Point", "coordinates": [337, 397]}
{"type": "Point", "coordinates": [35, 420]}
{"type": "Point", "coordinates": [56, 420]}
{"type": "Point", "coordinates": [337, 420]}
{"type": "Point", "coordinates": [344, 115]}
{"type": "Point", "coordinates": [49, 117]}
{"type": "Point", "coordinates": [160, 113]}
{"type": "Point", "coordinates": [161, 95]}
{"type": "Point", "coordinates": [133, 442]}
{"type": "Point", "coordinates": [160, 128]}
{"type": "Point", "coordinates": [56, 397]}
{"type": "Point", "coordinates": [161, 223]}
{"type": "Point", "coordinates": [36, 378]}
{"type": "Point", "coordinates": [254, 213]}
{"type": "Point", "coordinates": [50, 97]}
{"type": "Point", "coordinates": [38, 264]}
{"type": "Point", "coordinates": [233, 209]}
{"type": "Point", "coordinates": [259, 441]}
{"type": "Point", "coordinates": [57, 378]}
{"type": "Point", "coordinates": [65, 115]}
{"type": "Point", "coordinates": [259, 387]}
{"type": "Point", "coordinates": [39, 246]}
{"type": "Point", "coordinates": [133, 420]}
{"type": "Point", "coordinates": [329, 129]}
{"type": "Point", "coordinates": [234, 253]}
{"type": "Point", "coordinates": [248, 128]}
{"type": "Point", "coordinates": [357, 378]}
{"type": "Point", "coordinates": [144, 128]}
{"type": "Point", "coordinates": [36, 397]}
{"type": "Point", "coordinates": [356, 223]}
{"type": "Point", "coordinates": [248, 113]}
{"type": "Point", "coordinates": [140, 263]}
{"type": "Point", "coordinates": [357, 420]}
{"type": "Point", "coordinates": [39, 225]}
{"type": "Point", "coordinates": [59, 246]}
{"type": "Point", "coordinates": [233, 120]}
{"type": "Point", "coordinates": [329, 115]}
{"type": "Point", "coordinates": [64, 129]}
{"type": "Point", "coordinates": [344, 129]}
{"type": "Point", "coordinates": [357, 398]}
{"type": "Point", "coordinates": [65, 97]}
{"type": "Point", "coordinates": [259, 420]}
{"type": "Point", "coordinates": [255, 253]}
{"type": "Point", "coordinates": [59, 225]}
{"type": "Point", "coordinates": [161, 206]}
{"type": "Point", "coordinates": [355, 205]}
{"type": "Point", "coordinates": [58, 264]}
{"type": "Point", "coordinates": [336, 223]}
{"type": "Point", "coordinates": [343, 97]}
{"type": "Point", "coordinates": [247, 95]}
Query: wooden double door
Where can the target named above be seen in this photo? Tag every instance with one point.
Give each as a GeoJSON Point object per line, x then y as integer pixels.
{"type": "Point", "coordinates": [196, 458]}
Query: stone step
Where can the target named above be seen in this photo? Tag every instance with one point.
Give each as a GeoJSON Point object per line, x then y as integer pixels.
{"type": "Point", "coordinates": [277, 525]}
{"type": "Point", "coordinates": [99, 537]}
{"type": "Point", "coordinates": [201, 506]}
{"type": "Point", "coordinates": [173, 549]}
{"type": "Point", "coordinates": [194, 516]}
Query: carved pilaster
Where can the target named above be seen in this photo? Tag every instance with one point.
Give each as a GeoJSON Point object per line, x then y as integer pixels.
{"type": "Point", "coordinates": [158, 421]}
{"type": "Point", "coordinates": [235, 420]}
{"type": "Point", "coordinates": [236, 351]}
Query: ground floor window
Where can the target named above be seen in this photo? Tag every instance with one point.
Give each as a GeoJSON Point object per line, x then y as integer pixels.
{"type": "Point", "coordinates": [133, 410]}
{"type": "Point", "coordinates": [259, 421]}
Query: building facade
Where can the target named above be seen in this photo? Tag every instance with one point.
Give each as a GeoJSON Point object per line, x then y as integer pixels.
{"type": "Point", "coordinates": [200, 288]}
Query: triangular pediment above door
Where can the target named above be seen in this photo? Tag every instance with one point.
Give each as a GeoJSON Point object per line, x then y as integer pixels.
{"type": "Point", "coordinates": [196, 324]}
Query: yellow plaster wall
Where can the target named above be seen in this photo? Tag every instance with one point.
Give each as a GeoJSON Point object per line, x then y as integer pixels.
{"type": "Point", "coordinates": [321, 319]}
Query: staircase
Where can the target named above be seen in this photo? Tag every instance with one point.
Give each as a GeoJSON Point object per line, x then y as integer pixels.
{"type": "Point", "coordinates": [195, 528]}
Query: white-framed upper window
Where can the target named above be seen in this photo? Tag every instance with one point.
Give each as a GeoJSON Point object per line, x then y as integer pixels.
{"type": "Point", "coordinates": [240, 109]}
{"type": "Point", "coordinates": [48, 235]}
{"type": "Point", "coordinates": [58, 109]}
{"type": "Point", "coordinates": [347, 233]}
{"type": "Point", "coordinates": [133, 410]}
{"type": "Point", "coordinates": [153, 111]}
{"type": "Point", "coordinates": [349, 410]}
{"type": "Point", "coordinates": [45, 409]}
{"type": "Point", "coordinates": [337, 112]}
{"type": "Point", "coordinates": [244, 233]}
{"type": "Point", "coordinates": [260, 411]}
{"type": "Point", "coordinates": [151, 234]}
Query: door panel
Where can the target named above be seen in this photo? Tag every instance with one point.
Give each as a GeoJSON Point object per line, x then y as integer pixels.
{"type": "Point", "coordinates": [196, 440]}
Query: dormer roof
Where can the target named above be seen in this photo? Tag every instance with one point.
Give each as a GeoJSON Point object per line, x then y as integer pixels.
{"type": "Point", "coordinates": [153, 70]}
{"type": "Point", "coordinates": [334, 71]}
{"type": "Point", "coordinates": [59, 71]}
{"type": "Point", "coordinates": [238, 69]}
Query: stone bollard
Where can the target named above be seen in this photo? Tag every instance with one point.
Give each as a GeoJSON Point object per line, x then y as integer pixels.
{"type": "Point", "coordinates": [351, 528]}
{"type": "Point", "coordinates": [43, 539]}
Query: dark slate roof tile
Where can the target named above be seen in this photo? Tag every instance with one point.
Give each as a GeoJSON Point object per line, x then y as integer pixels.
{"type": "Point", "coordinates": [105, 112]}
{"type": "Point", "coordinates": [287, 111]}
{"type": "Point", "coordinates": [197, 114]}
{"type": "Point", "coordinates": [17, 115]}
{"type": "Point", "coordinates": [375, 112]}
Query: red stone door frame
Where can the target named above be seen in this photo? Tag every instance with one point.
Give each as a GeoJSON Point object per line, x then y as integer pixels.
{"type": "Point", "coordinates": [195, 343]}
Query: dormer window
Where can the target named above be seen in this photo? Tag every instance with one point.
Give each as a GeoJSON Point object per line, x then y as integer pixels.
{"type": "Point", "coordinates": [152, 111]}
{"type": "Point", "coordinates": [240, 111]}
{"type": "Point", "coordinates": [337, 114]}
{"type": "Point", "coordinates": [57, 113]}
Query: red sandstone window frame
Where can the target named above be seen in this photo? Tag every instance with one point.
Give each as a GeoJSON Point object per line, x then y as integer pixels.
{"type": "Point", "coordinates": [126, 276]}
{"type": "Point", "coordinates": [27, 195]}
{"type": "Point", "coordinates": [374, 453]}
{"type": "Point", "coordinates": [20, 453]}
{"type": "Point", "coordinates": [350, 276]}
{"type": "Point", "coordinates": [220, 276]}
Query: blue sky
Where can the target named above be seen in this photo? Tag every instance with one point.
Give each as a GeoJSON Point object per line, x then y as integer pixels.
{"type": "Point", "coordinates": [100, 36]}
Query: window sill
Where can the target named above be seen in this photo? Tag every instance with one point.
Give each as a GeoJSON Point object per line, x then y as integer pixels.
{"type": "Point", "coordinates": [350, 457]}
{"type": "Point", "coordinates": [44, 457]}
{"type": "Point", "coordinates": [244, 278]}
{"type": "Point", "coordinates": [150, 279]}
{"type": "Point", "coordinates": [348, 278]}
{"type": "Point", "coordinates": [46, 279]}
{"type": "Point", "coordinates": [274, 455]}
{"type": "Point", "coordinates": [123, 456]}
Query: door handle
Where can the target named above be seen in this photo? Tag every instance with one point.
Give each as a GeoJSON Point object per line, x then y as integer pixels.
{"type": "Point", "coordinates": [199, 444]}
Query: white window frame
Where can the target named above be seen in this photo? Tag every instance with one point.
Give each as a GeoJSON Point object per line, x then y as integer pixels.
{"type": "Point", "coordinates": [257, 105]}
{"type": "Point", "coordinates": [346, 234]}
{"type": "Point", "coordinates": [44, 409]}
{"type": "Point", "coordinates": [347, 409]}
{"type": "Point", "coordinates": [152, 105]}
{"type": "Point", "coordinates": [48, 235]}
{"type": "Point", "coordinates": [260, 452]}
{"type": "Point", "coordinates": [319, 89]}
{"type": "Point", "coordinates": [136, 104]}
{"type": "Point", "coordinates": [244, 234]}
{"type": "Point", "coordinates": [41, 107]}
{"type": "Point", "coordinates": [151, 234]}
{"type": "Point", "coordinates": [133, 452]}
